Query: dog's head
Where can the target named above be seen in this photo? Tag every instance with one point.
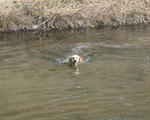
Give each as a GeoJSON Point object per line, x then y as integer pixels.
{"type": "Point", "coordinates": [75, 59]}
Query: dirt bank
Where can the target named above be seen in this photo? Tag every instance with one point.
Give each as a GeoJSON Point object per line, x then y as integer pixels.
{"type": "Point", "coordinates": [71, 14]}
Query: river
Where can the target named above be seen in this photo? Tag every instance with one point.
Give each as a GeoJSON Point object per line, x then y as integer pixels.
{"type": "Point", "coordinates": [36, 83]}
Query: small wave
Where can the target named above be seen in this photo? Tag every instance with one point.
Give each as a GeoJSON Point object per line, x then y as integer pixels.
{"type": "Point", "coordinates": [115, 45]}
{"type": "Point", "coordinates": [89, 57]}
{"type": "Point", "coordinates": [80, 47]}
{"type": "Point", "coordinates": [86, 59]}
{"type": "Point", "coordinates": [115, 118]}
{"type": "Point", "coordinates": [61, 60]}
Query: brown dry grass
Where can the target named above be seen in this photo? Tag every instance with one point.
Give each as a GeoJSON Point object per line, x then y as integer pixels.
{"type": "Point", "coordinates": [71, 14]}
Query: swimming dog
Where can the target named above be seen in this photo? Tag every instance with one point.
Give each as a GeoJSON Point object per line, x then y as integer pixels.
{"type": "Point", "coordinates": [74, 61]}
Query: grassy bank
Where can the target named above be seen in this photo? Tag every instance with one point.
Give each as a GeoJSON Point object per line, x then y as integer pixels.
{"type": "Point", "coordinates": [71, 14]}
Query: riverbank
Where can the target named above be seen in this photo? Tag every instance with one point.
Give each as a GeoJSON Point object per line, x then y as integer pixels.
{"type": "Point", "coordinates": [71, 14]}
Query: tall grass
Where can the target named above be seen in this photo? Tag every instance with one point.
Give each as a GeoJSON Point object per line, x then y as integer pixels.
{"type": "Point", "coordinates": [72, 14]}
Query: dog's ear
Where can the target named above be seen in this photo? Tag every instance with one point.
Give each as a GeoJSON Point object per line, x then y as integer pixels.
{"type": "Point", "coordinates": [69, 59]}
{"type": "Point", "coordinates": [81, 59]}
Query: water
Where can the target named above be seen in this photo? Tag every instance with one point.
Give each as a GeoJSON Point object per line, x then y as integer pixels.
{"type": "Point", "coordinates": [113, 84]}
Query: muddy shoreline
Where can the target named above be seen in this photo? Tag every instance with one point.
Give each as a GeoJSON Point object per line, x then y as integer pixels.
{"type": "Point", "coordinates": [28, 15]}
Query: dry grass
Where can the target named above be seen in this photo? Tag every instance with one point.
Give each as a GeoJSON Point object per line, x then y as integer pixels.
{"type": "Point", "coordinates": [71, 14]}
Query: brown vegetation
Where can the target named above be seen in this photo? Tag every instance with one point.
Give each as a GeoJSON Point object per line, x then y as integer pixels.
{"type": "Point", "coordinates": [71, 14]}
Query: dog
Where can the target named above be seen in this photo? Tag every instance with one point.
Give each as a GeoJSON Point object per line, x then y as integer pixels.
{"type": "Point", "coordinates": [74, 61]}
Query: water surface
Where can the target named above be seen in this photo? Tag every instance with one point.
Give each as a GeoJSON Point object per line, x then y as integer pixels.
{"type": "Point", "coordinates": [113, 84]}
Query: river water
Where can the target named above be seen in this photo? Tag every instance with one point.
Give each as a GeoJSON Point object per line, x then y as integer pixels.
{"type": "Point", "coordinates": [113, 84]}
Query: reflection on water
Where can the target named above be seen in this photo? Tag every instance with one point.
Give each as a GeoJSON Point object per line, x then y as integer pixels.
{"type": "Point", "coordinates": [37, 84]}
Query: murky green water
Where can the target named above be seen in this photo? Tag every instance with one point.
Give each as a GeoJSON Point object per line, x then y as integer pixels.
{"type": "Point", "coordinates": [114, 80]}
